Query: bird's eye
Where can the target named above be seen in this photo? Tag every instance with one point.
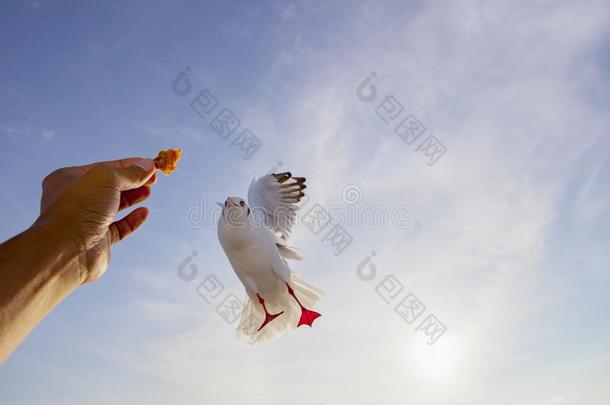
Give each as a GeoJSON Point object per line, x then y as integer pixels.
{"type": "Point", "coordinates": [241, 203]}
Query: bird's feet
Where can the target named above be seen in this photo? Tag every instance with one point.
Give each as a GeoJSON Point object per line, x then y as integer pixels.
{"type": "Point", "coordinates": [307, 315]}
{"type": "Point", "coordinates": [268, 317]}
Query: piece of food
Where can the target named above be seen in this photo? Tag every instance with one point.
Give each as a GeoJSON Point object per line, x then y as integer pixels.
{"type": "Point", "coordinates": [166, 160]}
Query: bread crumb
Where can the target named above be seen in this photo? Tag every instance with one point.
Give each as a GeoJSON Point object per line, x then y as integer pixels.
{"type": "Point", "coordinates": [166, 160]}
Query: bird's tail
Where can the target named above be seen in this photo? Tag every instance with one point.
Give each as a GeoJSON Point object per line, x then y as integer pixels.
{"type": "Point", "coordinates": [253, 314]}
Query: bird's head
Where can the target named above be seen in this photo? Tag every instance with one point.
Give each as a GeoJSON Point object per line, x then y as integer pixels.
{"type": "Point", "coordinates": [235, 210]}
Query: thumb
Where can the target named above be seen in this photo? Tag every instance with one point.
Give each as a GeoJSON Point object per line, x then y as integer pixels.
{"type": "Point", "coordinates": [136, 175]}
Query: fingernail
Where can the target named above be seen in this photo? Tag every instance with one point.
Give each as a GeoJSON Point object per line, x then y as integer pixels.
{"type": "Point", "coordinates": [146, 164]}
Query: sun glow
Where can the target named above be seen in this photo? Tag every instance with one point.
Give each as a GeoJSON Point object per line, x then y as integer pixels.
{"type": "Point", "coordinates": [437, 360]}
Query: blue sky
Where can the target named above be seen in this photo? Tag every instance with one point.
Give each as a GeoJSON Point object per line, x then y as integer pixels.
{"type": "Point", "coordinates": [507, 232]}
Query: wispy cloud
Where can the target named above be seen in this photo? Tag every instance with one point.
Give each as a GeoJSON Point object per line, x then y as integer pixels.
{"type": "Point", "coordinates": [498, 82]}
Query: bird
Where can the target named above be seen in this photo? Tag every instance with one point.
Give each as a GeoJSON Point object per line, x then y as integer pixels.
{"type": "Point", "coordinates": [254, 236]}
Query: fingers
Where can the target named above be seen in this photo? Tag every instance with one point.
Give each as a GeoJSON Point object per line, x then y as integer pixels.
{"type": "Point", "coordinates": [123, 227]}
{"type": "Point", "coordinates": [132, 197]}
{"type": "Point", "coordinates": [136, 175]}
{"type": "Point", "coordinates": [117, 164]}
{"type": "Point", "coordinates": [152, 180]}
{"type": "Point", "coordinates": [122, 163]}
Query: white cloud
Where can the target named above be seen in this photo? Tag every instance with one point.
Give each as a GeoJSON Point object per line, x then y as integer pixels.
{"type": "Point", "coordinates": [34, 4]}
{"type": "Point", "coordinates": [48, 135]}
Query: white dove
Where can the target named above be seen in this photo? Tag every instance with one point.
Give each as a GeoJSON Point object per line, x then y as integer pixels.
{"type": "Point", "coordinates": [254, 240]}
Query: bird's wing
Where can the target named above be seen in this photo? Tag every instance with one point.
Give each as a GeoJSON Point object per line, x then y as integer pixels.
{"type": "Point", "coordinates": [285, 251]}
{"type": "Point", "coordinates": [273, 199]}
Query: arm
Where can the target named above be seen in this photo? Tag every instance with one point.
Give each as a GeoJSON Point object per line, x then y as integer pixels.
{"type": "Point", "coordinates": [69, 244]}
{"type": "Point", "coordinates": [36, 273]}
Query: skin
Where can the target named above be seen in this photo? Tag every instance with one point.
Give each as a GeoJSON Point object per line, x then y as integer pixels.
{"type": "Point", "coordinates": [69, 244]}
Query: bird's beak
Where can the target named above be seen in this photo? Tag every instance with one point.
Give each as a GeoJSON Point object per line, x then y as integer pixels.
{"type": "Point", "coordinates": [232, 204]}
{"type": "Point", "coordinates": [221, 205]}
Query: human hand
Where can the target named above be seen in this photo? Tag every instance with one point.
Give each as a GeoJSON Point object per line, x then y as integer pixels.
{"type": "Point", "coordinates": [79, 204]}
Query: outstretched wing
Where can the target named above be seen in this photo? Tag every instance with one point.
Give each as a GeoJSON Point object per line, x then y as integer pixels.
{"type": "Point", "coordinates": [273, 199]}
